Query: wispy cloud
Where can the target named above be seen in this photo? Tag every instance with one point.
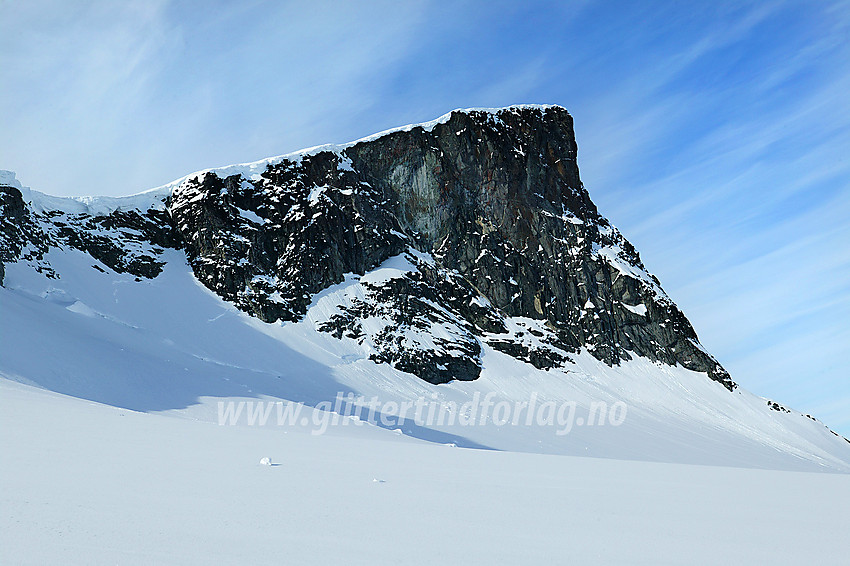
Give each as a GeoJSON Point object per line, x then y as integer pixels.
{"type": "Point", "coordinates": [117, 97]}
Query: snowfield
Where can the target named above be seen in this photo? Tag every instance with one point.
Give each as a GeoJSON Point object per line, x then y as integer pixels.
{"type": "Point", "coordinates": [85, 483]}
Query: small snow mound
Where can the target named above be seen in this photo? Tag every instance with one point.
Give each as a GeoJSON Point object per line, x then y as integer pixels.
{"type": "Point", "coordinates": [80, 307]}
{"type": "Point", "coordinates": [59, 297]}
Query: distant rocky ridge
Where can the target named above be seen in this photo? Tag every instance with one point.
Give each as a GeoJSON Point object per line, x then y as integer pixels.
{"type": "Point", "coordinates": [492, 238]}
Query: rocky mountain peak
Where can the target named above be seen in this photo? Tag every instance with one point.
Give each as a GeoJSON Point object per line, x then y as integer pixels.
{"type": "Point", "coordinates": [439, 239]}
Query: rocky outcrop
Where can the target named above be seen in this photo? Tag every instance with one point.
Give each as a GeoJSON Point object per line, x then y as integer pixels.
{"type": "Point", "coordinates": [21, 236]}
{"type": "Point", "coordinates": [125, 241]}
{"type": "Point", "coordinates": [494, 197]}
{"type": "Point", "coordinates": [501, 242]}
{"type": "Point", "coordinates": [270, 244]}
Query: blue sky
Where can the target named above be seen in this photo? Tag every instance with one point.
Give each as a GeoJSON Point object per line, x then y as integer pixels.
{"type": "Point", "coordinates": [715, 135]}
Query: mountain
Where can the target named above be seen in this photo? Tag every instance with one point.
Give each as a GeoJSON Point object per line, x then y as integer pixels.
{"type": "Point", "coordinates": [437, 260]}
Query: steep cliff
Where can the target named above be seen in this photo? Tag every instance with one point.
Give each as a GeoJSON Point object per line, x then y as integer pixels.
{"type": "Point", "coordinates": [495, 200]}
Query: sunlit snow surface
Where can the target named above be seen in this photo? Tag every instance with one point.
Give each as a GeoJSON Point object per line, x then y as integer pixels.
{"type": "Point", "coordinates": [85, 483]}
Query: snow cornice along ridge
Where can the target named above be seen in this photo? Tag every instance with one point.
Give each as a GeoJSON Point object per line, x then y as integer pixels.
{"type": "Point", "coordinates": [155, 198]}
{"type": "Point", "coordinates": [99, 205]}
{"type": "Point", "coordinates": [254, 169]}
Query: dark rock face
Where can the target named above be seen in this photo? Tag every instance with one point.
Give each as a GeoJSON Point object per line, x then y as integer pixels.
{"type": "Point", "coordinates": [500, 242]}
{"type": "Point", "coordinates": [409, 310]}
{"type": "Point", "coordinates": [126, 241]}
{"type": "Point", "coordinates": [21, 237]}
{"type": "Point", "coordinates": [269, 246]}
{"type": "Point", "coordinates": [495, 198]}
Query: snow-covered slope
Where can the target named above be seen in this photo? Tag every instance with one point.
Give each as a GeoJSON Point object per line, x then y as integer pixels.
{"type": "Point", "coordinates": [169, 344]}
